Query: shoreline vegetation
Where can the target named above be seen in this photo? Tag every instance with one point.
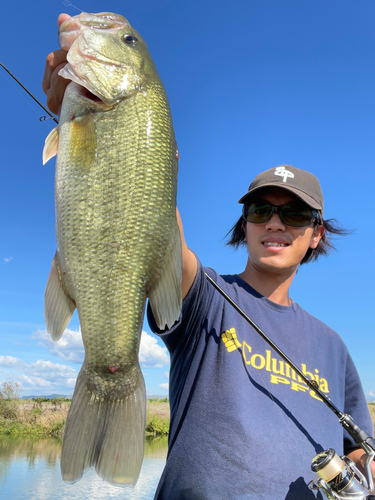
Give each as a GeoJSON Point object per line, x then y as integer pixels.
{"type": "Point", "coordinates": [42, 417]}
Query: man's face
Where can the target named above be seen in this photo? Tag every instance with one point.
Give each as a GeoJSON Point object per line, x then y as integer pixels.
{"type": "Point", "coordinates": [275, 247]}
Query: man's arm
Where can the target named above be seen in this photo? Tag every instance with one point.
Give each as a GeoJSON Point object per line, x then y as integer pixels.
{"type": "Point", "coordinates": [189, 262]}
{"type": "Point", "coordinates": [54, 87]}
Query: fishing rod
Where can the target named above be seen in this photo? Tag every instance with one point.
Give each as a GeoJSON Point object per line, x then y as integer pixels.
{"type": "Point", "coordinates": [42, 118]}
{"type": "Point", "coordinates": [338, 477]}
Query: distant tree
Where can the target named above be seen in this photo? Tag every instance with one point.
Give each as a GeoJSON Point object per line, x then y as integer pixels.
{"type": "Point", "coordinates": [9, 393]}
{"type": "Point", "coordinates": [10, 390]}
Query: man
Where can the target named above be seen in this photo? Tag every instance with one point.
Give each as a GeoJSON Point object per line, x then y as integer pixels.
{"type": "Point", "coordinates": [243, 425]}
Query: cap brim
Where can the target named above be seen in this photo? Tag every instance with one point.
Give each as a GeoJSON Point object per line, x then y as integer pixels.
{"type": "Point", "coordinates": [303, 196]}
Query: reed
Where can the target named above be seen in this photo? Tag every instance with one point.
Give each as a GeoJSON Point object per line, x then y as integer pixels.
{"type": "Point", "coordinates": [46, 418]}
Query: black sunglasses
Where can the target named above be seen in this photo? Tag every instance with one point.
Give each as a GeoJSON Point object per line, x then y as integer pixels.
{"type": "Point", "coordinates": [291, 214]}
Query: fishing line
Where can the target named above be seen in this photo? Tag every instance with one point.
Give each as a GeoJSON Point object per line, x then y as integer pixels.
{"type": "Point", "coordinates": [42, 118]}
{"type": "Point", "coordinates": [20, 94]}
{"type": "Point", "coordinates": [66, 3]}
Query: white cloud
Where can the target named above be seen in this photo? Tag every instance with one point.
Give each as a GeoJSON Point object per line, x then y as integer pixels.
{"type": "Point", "coordinates": [71, 382]}
{"type": "Point", "coordinates": [10, 361]}
{"type": "Point", "coordinates": [8, 259]}
{"type": "Point", "coordinates": [151, 354]}
{"type": "Point", "coordinates": [69, 347]}
{"type": "Point", "coordinates": [37, 382]}
{"type": "Point", "coordinates": [39, 376]}
{"type": "Point", "coordinates": [46, 377]}
{"type": "Point", "coordinates": [164, 386]}
{"type": "Point", "coordinates": [46, 367]}
{"type": "Point", "coordinates": [371, 393]}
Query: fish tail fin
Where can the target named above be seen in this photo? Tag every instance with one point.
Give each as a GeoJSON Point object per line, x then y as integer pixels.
{"type": "Point", "coordinates": [105, 432]}
{"type": "Point", "coordinates": [165, 295]}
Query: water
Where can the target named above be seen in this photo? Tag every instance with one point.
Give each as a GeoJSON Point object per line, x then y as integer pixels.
{"type": "Point", "coordinates": [30, 470]}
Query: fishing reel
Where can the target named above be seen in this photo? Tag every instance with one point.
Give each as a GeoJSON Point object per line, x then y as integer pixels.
{"type": "Point", "coordinates": [339, 478]}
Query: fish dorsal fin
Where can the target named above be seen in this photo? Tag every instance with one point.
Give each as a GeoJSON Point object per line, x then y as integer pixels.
{"type": "Point", "coordinates": [165, 295]}
{"type": "Point", "coordinates": [82, 145]}
{"type": "Point", "coordinates": [51, 145]}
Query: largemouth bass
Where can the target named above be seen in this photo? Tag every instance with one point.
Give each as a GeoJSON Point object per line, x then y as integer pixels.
{"type": "Point", "coordinates": [118, 240]}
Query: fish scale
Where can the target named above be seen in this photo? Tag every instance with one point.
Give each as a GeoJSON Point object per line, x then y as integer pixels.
{"type": "Point", "coordinates": [118, 240]}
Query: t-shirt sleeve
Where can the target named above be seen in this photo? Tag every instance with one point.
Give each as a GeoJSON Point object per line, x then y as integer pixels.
{"type": "Point", "coordinates": [355, 405]}
{"type": "Point", "coordinates": [193, 312]}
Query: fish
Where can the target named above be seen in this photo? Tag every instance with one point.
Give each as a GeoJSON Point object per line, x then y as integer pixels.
{"type": "Point", "coordinates": [118, 241]}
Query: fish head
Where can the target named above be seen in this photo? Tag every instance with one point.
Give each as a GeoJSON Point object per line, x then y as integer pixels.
{"type": "Point", "coordinates": [106, 56]}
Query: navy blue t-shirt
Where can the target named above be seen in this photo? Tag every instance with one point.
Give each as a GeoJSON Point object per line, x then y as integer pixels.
{"type": "Point", "coordinates": [243, 426]}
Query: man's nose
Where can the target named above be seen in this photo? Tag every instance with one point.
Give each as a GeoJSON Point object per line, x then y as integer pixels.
{"type": "Point", "coordinates": [275, 223]}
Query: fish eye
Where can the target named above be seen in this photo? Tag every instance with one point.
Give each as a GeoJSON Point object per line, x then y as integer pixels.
{"type": "Point", "coordinates": [130, 40]}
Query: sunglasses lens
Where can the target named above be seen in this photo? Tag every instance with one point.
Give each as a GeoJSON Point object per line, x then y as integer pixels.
{"type": "Point", "coordinates": [259, 211]}
{"type": "Point", "coordinates": [296, 215]}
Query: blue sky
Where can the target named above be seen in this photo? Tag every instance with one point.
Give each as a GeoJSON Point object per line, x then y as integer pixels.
{"type": "Point", "coordinates": [251, 85]}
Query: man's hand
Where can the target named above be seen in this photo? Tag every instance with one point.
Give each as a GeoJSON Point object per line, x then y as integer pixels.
{"type": "Point", "coordinates": [359, 458]}
{"type": "Point", "coordinates": [372, 465]}
{"type": "Point", "coordinates": [54, 85]}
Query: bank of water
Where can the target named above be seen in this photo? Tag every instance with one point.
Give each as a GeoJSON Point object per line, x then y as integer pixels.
{"type": "Point", "coordinates": [30, 470]}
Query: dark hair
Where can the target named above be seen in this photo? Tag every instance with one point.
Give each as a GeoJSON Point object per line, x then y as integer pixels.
{"type": "Point", "coordinates": [332, 227]}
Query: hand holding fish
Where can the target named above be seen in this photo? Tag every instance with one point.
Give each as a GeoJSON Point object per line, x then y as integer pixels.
{"type": "Point", "coordinates": [54, 85]}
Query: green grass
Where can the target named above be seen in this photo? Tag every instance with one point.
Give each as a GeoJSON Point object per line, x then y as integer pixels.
{"type": "Point", "coordinates": [156, 426]}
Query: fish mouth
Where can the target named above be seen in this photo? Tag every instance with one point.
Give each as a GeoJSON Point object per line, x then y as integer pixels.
{"type": "Point", "coordinates": [87, 94]}
{"type": "Point", "coordinates": [85, 89]}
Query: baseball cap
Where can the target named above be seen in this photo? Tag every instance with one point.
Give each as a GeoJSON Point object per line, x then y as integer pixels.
{"type": "Point", "coordinates": [299, 182]}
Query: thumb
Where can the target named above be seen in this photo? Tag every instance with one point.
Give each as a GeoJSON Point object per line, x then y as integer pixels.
{"type": "Point", "coordinates": [62, 18]}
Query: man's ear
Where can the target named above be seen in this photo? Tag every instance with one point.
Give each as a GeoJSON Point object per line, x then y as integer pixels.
{"type": "Point", "coordinates": [317, 236]}
{"type": "Point", "coordinates": [244, 229]}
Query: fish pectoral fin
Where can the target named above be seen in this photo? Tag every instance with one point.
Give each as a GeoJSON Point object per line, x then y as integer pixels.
{"type": "Point", "coordinates": [51, 145]}
{"type": "Point", "coordinates": [165, 295]}
{"type": "Point", "coordinates": [82, 145]}
{"type": "Point", "coordinates": [105, 431]}
{"type": "Point", "coordinates": [58, 305]}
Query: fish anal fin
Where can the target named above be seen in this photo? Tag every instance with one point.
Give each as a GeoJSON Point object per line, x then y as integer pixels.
{"type": "Point", "coordinates": [82, 144]}
{"type": "Point", "coordinates": [51, 145]}
{"type": "Point", "coordinates": [165, 295]}
{"type": "Point", "coordinates": [58, 305]}
{"type": "Point", "coordinates": [106, 432]}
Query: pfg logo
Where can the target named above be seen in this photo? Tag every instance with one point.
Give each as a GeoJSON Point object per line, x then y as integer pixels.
{"type": "Point", "coordinates": [282, 172]}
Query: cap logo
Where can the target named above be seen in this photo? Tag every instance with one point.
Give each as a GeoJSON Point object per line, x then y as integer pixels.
{"type": "Point", "coordinates": [282, 172]}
